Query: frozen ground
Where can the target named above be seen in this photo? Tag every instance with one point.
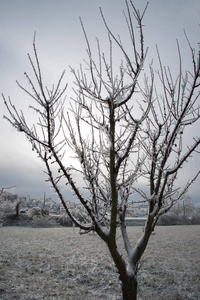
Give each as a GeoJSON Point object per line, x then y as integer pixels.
{"type": "Point", "coordinates": [58, 263]}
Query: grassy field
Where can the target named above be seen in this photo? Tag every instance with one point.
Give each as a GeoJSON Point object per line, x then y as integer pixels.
{"type": "Point", "coordinates": [58, 263]}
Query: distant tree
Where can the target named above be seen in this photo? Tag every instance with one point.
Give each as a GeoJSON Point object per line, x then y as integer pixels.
{"type": "Point", "coordinates": [5, 206]}
{"type": "Point", "coordinates": [184, 208]}
{"type": "Point", "coordinates": [188, 207]}
{"type": "Point", "coordinates": [17, 208]}
{"type": "Point", "coordinates": [37, 211]}
{"type": "Point", "coordinates": [122, 130]}
{"type": "Point", "coordinates": [64, 220]}
{"type": "Point", "coordinates": [2, 189]}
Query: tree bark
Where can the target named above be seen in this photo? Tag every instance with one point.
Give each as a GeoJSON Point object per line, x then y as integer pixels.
{"type": "Point", "coordinates": [129, 288]}
{"type": "Point", "coordinates": [127, 273]}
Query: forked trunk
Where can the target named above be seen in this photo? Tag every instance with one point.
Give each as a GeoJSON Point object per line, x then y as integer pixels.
{"type": "Point", "coordinates": [129, 288]}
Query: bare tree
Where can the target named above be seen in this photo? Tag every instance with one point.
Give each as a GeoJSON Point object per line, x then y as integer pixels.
{"type": "Point", "coordinates": [2, 189]}
{"type": "Point", "coordinates": [121, 131]}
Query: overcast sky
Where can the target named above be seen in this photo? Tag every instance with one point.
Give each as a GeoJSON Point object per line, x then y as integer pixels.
{"type": "Point", "coordinates": [60, 43]}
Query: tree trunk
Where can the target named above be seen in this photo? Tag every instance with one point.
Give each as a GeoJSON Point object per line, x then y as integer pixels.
{"type": "Point", "coordinates": [129, 288]}
{"type": "Point", "coordinates": [127, 274]}
{"type": "Point", "coordinates": [17, 207]}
